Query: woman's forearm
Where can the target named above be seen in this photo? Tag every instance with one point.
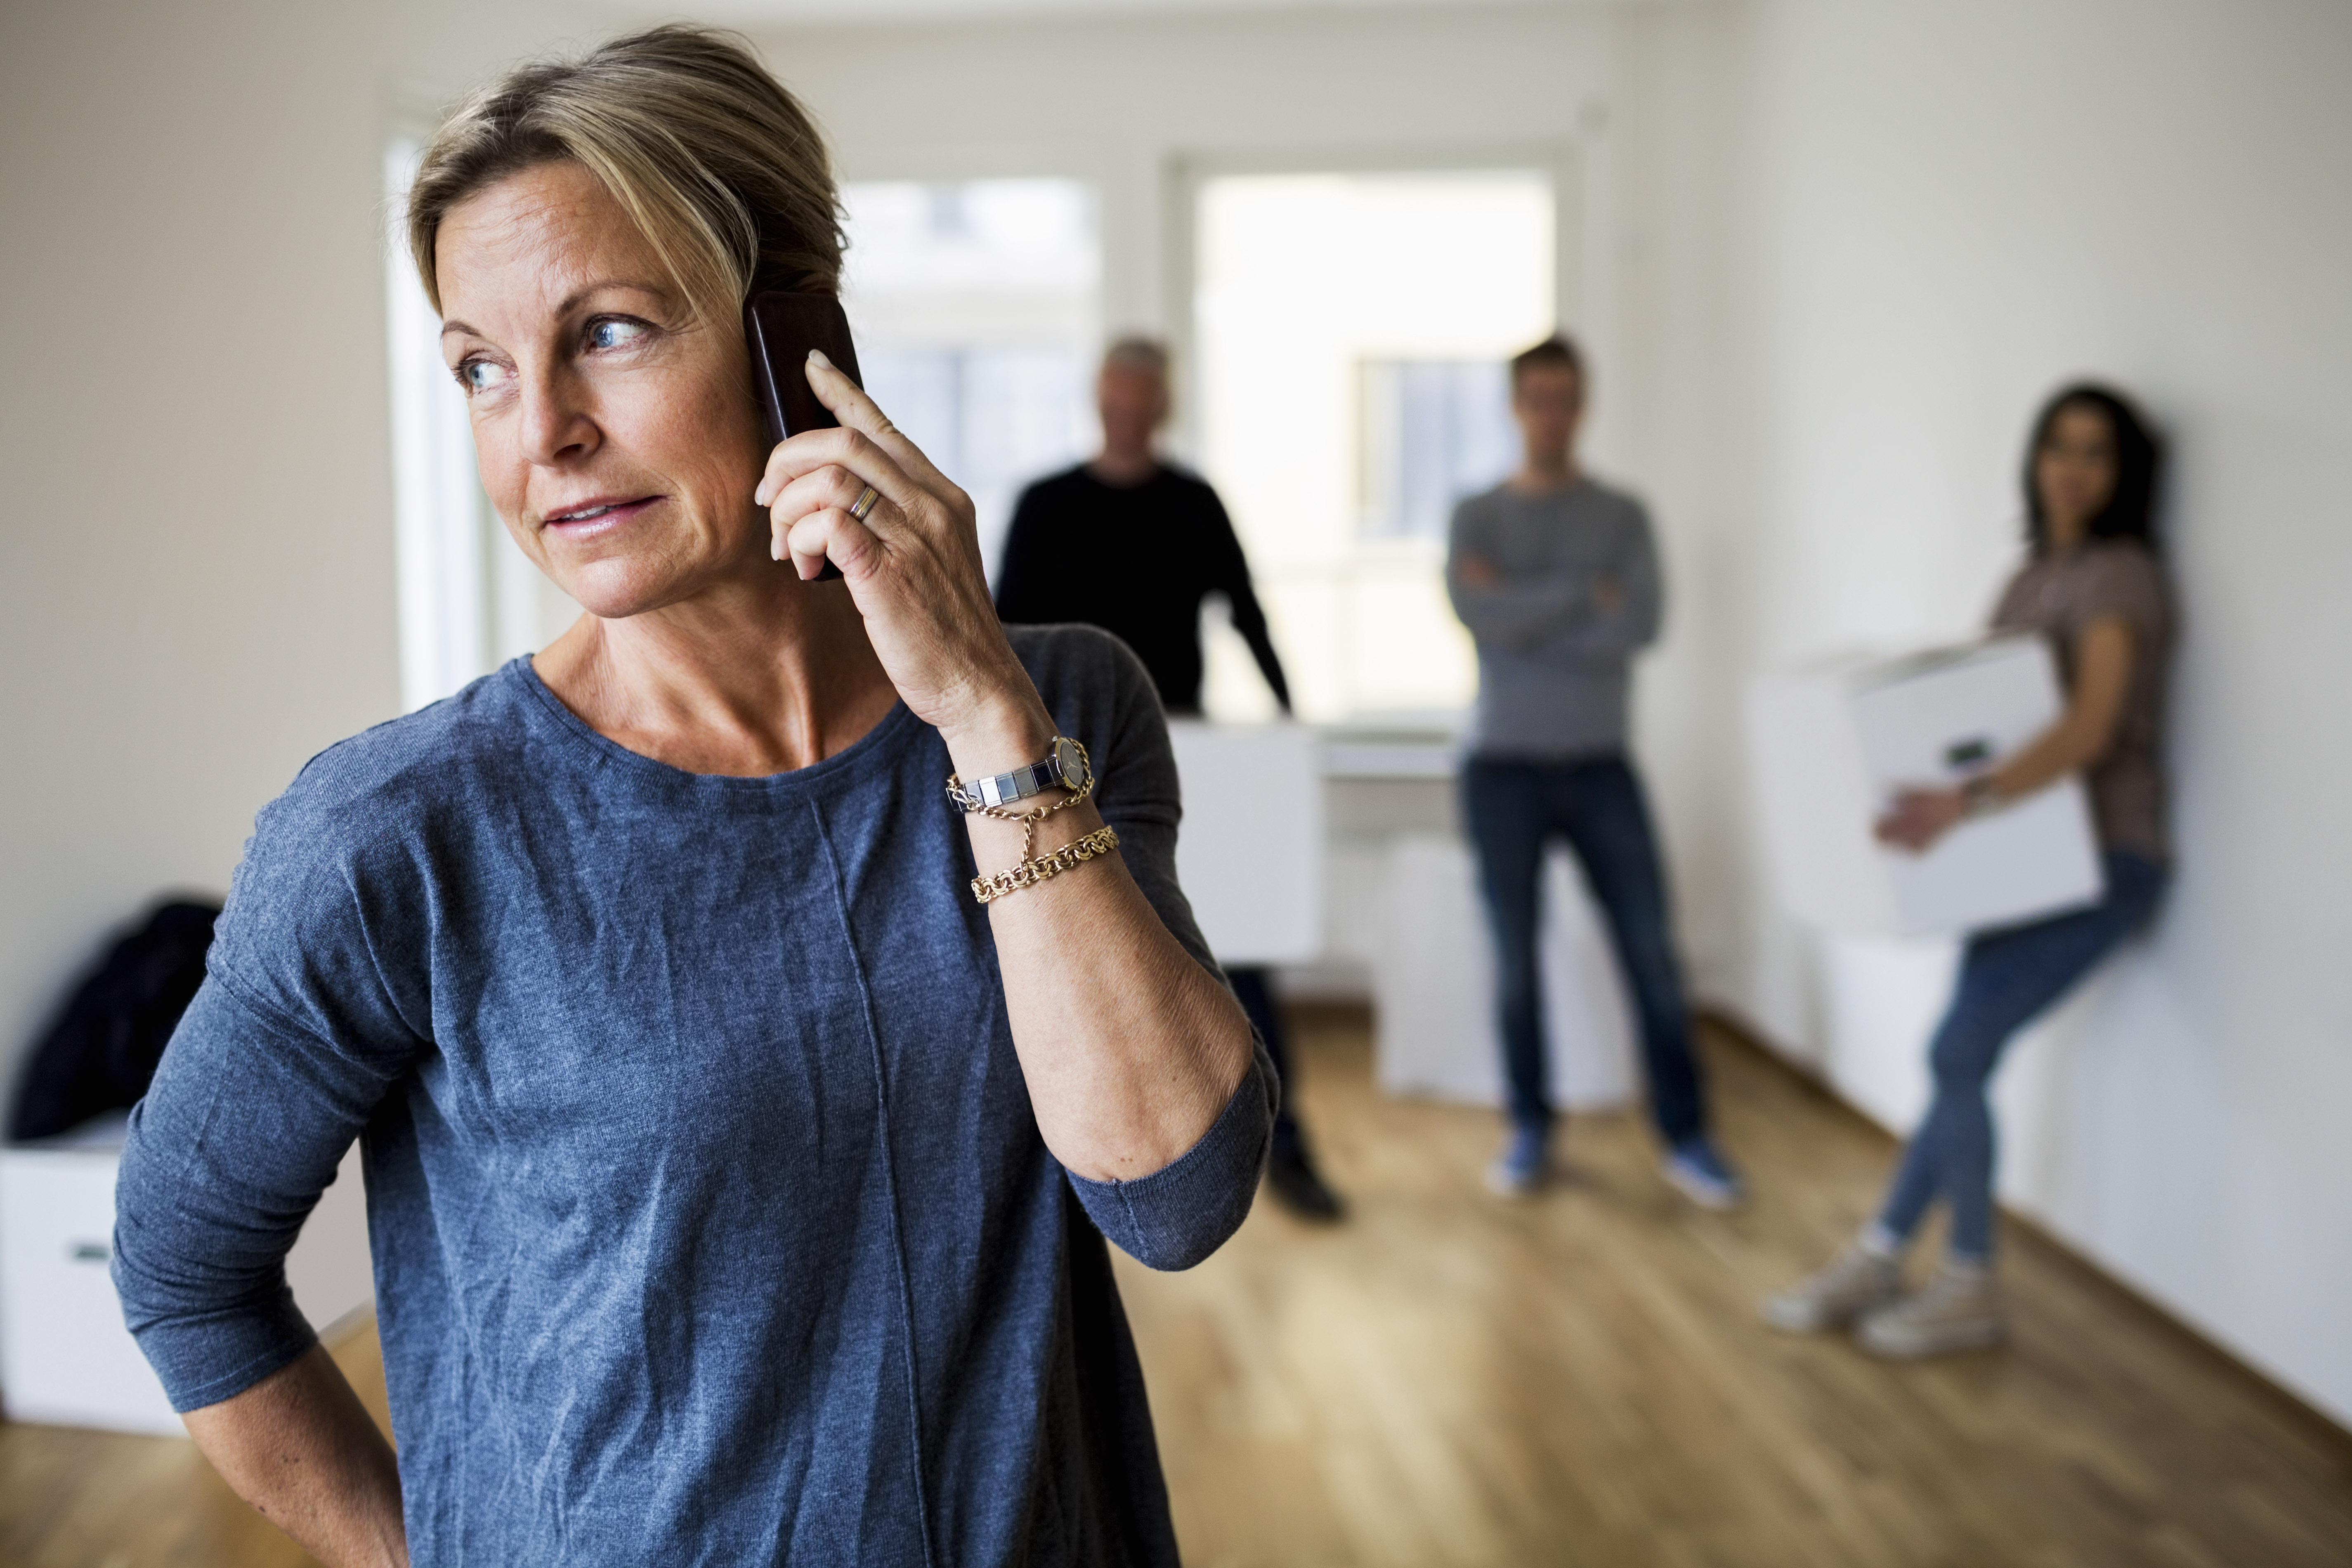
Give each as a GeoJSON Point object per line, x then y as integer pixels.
{"type": "Point", "coordinates": [2051, 756]}
{"type": "Point", "coordinates": [301, 1448]}
{"type": "Point", "coordinates": [2103, 666]}
{"type": "Point", "coordinates": [1129, 1046]}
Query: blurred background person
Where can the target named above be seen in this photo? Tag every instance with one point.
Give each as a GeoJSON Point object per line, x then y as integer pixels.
{"type": "Point", "coordinates": [2092, 585]}
{"type": "Point", "coordinates": [1557, 577]}
{"type": "Point", "coordinates": [1128, 542]}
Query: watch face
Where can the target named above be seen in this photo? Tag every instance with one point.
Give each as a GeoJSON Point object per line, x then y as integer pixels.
{"type": "Point", "coordinates": [1070, 762]}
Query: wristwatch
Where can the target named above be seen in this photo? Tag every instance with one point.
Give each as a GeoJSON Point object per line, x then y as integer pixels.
{"type": "Point", "coordinates": [1064, 766]}
{"type": "Point", "coordinates": [1980, 796]}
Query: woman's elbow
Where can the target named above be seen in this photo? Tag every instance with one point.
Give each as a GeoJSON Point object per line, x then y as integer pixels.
{"type": "Point", "coordinates": [1170, 1244]}
{"type": "Point", "coordinates": [1192, 1251]}
{"type": "Point", "coordinates": [1179, 1215]}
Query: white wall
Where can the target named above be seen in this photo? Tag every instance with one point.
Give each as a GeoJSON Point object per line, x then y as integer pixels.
{"type": "Point", "coordinates": [1832, 253]}
{"type": "Point", "coordinates": [196, 557]}
{"type": "Point", "coordinates": [1123, 100]}
{"type": "Point", "coordinates": [198, 591]}
{"type": "Point", "coordinates": [1935, 213]}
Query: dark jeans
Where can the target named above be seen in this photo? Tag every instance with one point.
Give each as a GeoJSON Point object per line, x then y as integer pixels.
{"type": "Point", "coordinates": [1513, 809]}
{"type": "Point", "coordinates": [2006, 978]}
{"type": "Point", "coordinates": [1256, 997]}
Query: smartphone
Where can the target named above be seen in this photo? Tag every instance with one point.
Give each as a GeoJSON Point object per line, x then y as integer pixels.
{"type": "Point", "coordinates": [780, 327]}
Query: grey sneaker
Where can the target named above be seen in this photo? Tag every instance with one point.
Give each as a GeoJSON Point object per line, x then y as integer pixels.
{"type": "Point", "coordinates": [1857, 1281]}
{"type": "Point", "coordinates": [1959, 1309]}
{"type": "Point", "coordinates": [1695, 1170]}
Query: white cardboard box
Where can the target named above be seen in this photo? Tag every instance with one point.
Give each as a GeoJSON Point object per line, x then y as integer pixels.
{"type": "Point", "coordinates": [1833, 743]}
{"type": "Point", "coordinates": [65, 1357]}
{"type": "Point", "coordinates": [1434, 987]}
{"type": "Point", "coordinates": [1250, 853]}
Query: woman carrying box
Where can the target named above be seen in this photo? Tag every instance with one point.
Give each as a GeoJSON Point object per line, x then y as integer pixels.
{"type": "Point", "coordinates": [2092, 586]}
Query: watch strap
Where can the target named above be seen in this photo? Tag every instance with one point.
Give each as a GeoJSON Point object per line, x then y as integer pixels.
{"type": "Point", "coordinates": [1064, 765]}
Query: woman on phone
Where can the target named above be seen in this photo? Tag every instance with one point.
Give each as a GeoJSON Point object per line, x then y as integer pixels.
{"type": "Point", "coordinates": [738, 1160]}
{"type": "Point", "coordinates": [2092, 585]}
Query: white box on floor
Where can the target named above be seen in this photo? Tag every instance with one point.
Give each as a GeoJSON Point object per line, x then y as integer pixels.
{"type": "Point", "coordinates": [1832, 744]}
{"type": "Point", "coordinates": [1433, 988]}
{"type": "Point", "coordinates": [65, 1357]}
{"type": "Point", "coordinates": [1250, 853]}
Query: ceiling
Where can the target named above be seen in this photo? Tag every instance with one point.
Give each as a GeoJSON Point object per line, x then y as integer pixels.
{"type": "Point", "coordinates": [787, 12]}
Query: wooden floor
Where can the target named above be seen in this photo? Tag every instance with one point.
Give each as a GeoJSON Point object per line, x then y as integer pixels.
{"type": "Point", "coordinates": [70, 1498]}
{"type": "Point", "coordinates": [1448, 1380]}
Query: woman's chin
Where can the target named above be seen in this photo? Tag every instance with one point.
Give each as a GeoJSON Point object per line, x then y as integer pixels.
{"type": "Point", "coordinates": [615, 590]}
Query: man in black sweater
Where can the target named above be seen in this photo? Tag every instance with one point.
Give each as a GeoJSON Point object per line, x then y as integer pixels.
{"type": "Point", "coordinates": [1129, 544]}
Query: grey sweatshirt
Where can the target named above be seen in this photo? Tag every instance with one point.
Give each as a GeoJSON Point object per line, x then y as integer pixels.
{"type": "Point", "coordinates": [1553, 639]}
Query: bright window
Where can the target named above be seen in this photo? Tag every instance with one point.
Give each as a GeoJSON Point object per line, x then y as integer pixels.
{"type": "Point", "coordinates": [1429, 432]}
{"type": "Point", "coordinates": [1351, 331]}
{"type": "Point", "coordinates": [469, 600]}
{"type": "Point", "coordinates": [975, 307]}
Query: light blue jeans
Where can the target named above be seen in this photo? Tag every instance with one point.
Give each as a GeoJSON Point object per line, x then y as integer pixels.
{"type": "Point", "coordinates": [2006, 979]}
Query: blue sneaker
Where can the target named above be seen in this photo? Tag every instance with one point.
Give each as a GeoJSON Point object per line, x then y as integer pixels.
{"type": "Point", "coordinates": [1699, 1173]}
{"type": "Point", "coordinates": [1522, 1165]}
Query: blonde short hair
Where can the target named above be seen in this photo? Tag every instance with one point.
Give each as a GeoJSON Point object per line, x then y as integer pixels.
{"type": "Point", "coordinates": [720, 167]}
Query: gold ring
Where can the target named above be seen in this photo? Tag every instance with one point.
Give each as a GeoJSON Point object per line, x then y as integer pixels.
{"type": "Point", "coordinates": [865, 504]}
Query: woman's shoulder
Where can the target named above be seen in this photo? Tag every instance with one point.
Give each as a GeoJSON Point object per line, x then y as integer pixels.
{"type": "Point", "coordinates": [1083, 664]}
{"type": "Point", "coordinates": [2121, 576]}
{"type": "Point", "coordinates": [333, 895]}
{"type": "Point", "coordinates": [1101, 695]}
{"type": "Point", "coordinates": [388, 776]}
{"type": "Point", "coordinates": [2126, 559]}
{"type": "Point", "coordinates": [2108, 573]}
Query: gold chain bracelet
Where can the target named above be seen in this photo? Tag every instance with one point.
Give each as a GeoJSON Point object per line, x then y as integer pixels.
{"type": "Point", "coordinates": [1029, 873]}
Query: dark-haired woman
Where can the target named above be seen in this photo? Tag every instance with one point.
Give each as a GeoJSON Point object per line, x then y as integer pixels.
{"type": "Point", "coordinates": [2092, 586]}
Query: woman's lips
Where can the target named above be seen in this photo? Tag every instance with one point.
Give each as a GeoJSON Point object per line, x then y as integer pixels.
{"type": "Point", "coordinates": [597, 517]}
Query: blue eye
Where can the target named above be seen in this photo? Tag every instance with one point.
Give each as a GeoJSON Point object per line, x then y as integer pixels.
{"type": "Point", "coordinates": [611, 334]}
{"type": "Point", "coordinates": [479, 375]}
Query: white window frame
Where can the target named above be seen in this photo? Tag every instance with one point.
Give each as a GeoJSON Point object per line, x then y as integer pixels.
{"type": "Point", "coordinates": [1187, 173]}
{"type": "Point", "coordinates": [468, 599]}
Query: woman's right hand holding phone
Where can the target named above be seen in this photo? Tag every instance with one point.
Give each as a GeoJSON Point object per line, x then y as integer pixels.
{"type": "Point", "coordinates": [912, 566]}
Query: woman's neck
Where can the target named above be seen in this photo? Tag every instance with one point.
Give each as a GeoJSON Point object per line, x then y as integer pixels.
{"type": "Point", "coordinates": [747, 680]}
{"type": "Point", "coordinates": [2063, 535]}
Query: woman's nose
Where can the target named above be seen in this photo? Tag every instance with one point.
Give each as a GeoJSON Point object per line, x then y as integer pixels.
{"type": "Point", "coordinates": [556, 425]}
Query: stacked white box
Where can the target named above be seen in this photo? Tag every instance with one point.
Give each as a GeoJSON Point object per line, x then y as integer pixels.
{"type": "Point", "coordinates": [1250, 853]}
{"type": "Point", "coordinates": [1433, 988]}
{"type": "Point", "coordinates": [1832, 744]}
